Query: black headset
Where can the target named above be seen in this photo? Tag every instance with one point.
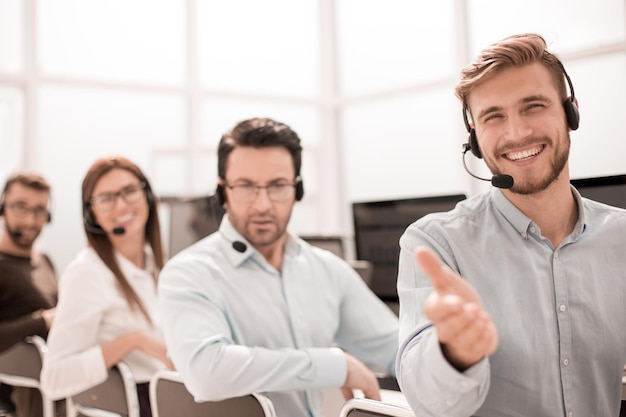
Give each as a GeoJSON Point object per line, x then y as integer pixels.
{"type": "Point", "coordinates": [48, 220]}
{"type": "Point", "coordinates": [569, 105]}
{"type": "Point", "coordinates": [90, 222]}
{"type": "Point", "coordinates": [221, 195]}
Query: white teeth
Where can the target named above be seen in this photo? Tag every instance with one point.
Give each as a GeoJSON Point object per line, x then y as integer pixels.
{"type": "Point", "coordinates": [125, 218]}
{"type": "Point", "coordinates": [516, 156]}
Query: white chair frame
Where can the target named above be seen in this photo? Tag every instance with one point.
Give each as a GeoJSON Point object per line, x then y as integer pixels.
{"type": "Point", "coordinates": [363, 407]}
{"type": "Point", "coordinates": [188, 407]}
{"type": "Point", "coordinates": [20, 366]}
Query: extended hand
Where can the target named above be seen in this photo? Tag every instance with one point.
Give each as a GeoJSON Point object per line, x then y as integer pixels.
{"type": "Point", "coordinates": [464, 328]}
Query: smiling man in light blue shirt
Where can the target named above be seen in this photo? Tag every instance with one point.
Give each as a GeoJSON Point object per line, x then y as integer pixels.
{"type": "Point", "coordinates": [515, 305]}
{"type": "Point", "coordinates": [252, 308]}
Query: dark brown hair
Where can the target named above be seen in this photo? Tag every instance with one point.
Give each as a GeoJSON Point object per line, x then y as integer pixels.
{"type": "Point", "coordinates": [259, 133]}
{"type": "Point", "coordinates": [27, 179]}
{"type": "Point", "coordinates": [100, 241]}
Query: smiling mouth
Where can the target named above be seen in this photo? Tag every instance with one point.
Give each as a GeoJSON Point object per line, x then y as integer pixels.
{"type": "Point", "coordinates": [125, 218]}
{"type": "Point", "coordinates": [522, 155]}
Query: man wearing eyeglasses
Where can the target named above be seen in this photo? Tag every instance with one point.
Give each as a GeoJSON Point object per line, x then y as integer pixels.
{"type": "Point", "coordinates": [28, 283]}
{"type": "Point", "coordinates": [253, 308]}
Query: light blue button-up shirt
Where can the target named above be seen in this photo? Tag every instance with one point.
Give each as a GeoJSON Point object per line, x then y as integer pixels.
{"type": "Point", "coordinates": [560, 312]}
{"type": "Point", "coordinates": [234, 325]}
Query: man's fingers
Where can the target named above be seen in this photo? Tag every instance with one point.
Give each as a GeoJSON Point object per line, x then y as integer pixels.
{"type": "Point", "coordinates": [477, 340]}
{"type": "Point", "coordinates": [347, 393]}
{"type": "Point", "coordinates": [440, 307]}
{"type": "Point", "coordinates": [443, 279]}
{"type": "Point", "coordinates": [450, 318]}
{"type": "Point", "coordinates": [440, 276]}
{"type": "Point", "coordinates": [372, 392]}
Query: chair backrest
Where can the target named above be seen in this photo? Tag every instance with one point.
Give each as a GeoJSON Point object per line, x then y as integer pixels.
{"type": "Point", "coordinates": [22, 362]}
{"type": "Point", "coordinates": [362, 407]}
{"type": "Point", "coordinates": [20, 366]}
{"type": "Point", "coordinates": [117, 394]}
{"type": "Point", "coordinates": [170, 398]}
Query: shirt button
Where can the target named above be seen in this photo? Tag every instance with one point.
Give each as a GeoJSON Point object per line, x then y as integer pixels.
{"type": "Point", "coordinates": [464, 382]}
{"type": "Point", "coordinates": [532, 229]}
{"type": "Point", "coordinates": [562, 307]}
{"type": "Point", "coordinates": [565, 361]}
{"type": "Point", "coordinates": [556, 255]}
{"type": "Point", "coordinates": [449, 402]}
{"type": "Point", "coordinates": [569, 414]}
{"type": "Point", "coordinates": [523, 235]}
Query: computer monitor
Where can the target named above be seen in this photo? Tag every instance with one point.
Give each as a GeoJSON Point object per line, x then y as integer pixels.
{"type": "Point", "coordinates": [609, 190]}
{"type": "Point", "coordinates": [330, 243]}
{"type": "Point", "coordinates": [191, 219]}
{"type": "Point", "coordinates": [378, 226]}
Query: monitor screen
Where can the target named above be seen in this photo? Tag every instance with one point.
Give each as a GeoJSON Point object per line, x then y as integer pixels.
{"type": "Point", "coordinates": [378, 226]}
{"type": "Point", "coordinates": [330, 243]}
{"type": "Point", "coordinates": [609, 190]}
{"type": "Point", "coordinates": [191, 219]}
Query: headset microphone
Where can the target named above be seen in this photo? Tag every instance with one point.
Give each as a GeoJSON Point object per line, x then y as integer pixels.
{"type": "Point", "coordinates": [15, 233]}
{"type": "Point", "coordinates": [98, 230]}
{"type": "Point", "coordinates": [118, 231]}
{"type": "Point", "coordinates": [237, 245]}
{"type": "Point", "coordinates": [503, 181]}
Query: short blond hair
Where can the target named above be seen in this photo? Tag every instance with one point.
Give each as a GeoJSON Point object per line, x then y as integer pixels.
{"type": "Point", "coordinates": [513, 51]}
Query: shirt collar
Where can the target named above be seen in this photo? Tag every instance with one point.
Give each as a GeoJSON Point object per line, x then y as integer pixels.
{"type": "Point", "coordinates": [581, 223]}
{"type": "Point", "coordinates": [230, 235]}
{"type": "Point", "coordinates": [522, 223]}
{"type": "Point", "coordinates": [130, 268]}
{"type": "Point", "coordinates": [518, 220]}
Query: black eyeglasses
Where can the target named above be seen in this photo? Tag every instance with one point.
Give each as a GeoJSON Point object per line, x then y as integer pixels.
{"type": "Point", "coordinates": [22, 210]}
{"type": "Point", "coordinates": [279, 191]}
{"type": "Point", "coordinates": [130, 194]}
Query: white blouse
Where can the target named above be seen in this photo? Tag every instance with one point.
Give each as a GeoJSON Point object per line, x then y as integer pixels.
{"type": "Point", "coordinates": [92, 311]}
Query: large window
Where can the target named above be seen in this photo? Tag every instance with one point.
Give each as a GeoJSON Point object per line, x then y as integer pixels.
{"type": "Point", "coordinates": [368, 85]}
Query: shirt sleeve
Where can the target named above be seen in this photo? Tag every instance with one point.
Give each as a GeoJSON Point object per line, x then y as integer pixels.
{"type": "Point", "coordinates": [368, 328]}
{"type": "Point", "coordinates": [16, 330]}
{"type": "Point", "coordinates": [74, 360]}
{"type": "Point", "coordinates": [430, 384]}
{"type": "Point", "coordinates": [200, 342]}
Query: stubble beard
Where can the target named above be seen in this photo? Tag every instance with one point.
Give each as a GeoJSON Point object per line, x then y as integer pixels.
{"type": "Point", "coordinates": [535, 186]}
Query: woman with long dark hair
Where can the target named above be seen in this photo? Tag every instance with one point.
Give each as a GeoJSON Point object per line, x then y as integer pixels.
{"type": "Point", "coordinates": [107, 297]}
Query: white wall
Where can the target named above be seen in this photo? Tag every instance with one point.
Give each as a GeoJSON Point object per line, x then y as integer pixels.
{"type": "Point", "coordinates": [368, 85]}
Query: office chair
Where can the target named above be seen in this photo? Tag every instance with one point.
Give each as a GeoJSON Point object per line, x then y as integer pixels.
{"type": "Point", "coordinates": [20, 366]}
{"type": "Point", "coordinates": [624, 384]}
{"type": "Point", "coordinates": [117, 394]}
{"type": "Point", "coordinates": [363, 407]}
{"type": "Point", "coordinates": [170, 398]}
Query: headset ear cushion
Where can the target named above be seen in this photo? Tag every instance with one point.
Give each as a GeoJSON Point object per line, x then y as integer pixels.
{"type": "Point", "coordinates": [299, 190]}
{"type": "Point", "coordinates": [149, 197]}
{"type": "Point", "coordinates": [571, 113]}
{"type": "Point", "coordinates": [219, 193]}
{"type": "Point", "coordinates": [87, 217]}
{"type": "Point", "coordinates": [473, 144]}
